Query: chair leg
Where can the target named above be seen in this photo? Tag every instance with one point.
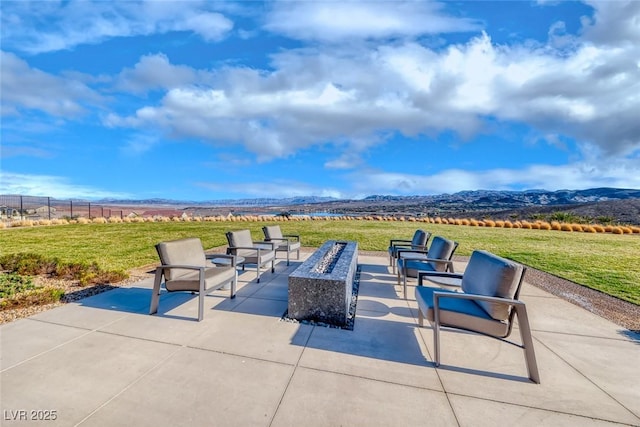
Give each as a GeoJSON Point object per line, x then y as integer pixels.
{"type": "Point", "coordinates": [273, 266]}
{"type": "Point", "coordinates": [436, 342]}
{"type": "Point", "coordinates": [527, 343]}
{"type": "Point", "coordinates": [155, 296]}
{"type": "Point", "coordinates": [258, 272]}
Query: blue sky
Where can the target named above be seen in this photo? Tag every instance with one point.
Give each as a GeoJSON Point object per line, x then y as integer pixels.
{"type": "Point", "coordinates": [196, 100]}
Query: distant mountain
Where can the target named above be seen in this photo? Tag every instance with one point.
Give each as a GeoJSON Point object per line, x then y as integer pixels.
{"type": "Point", "coordinates": [493, 198]}
{"type": "Point", "coordinates": [291, 201]}
{"type": "Point", "coordinates": [497, 198]}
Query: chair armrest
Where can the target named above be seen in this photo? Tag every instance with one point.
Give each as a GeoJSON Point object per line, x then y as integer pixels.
{"type": "Point", "coordinates": [295, 236]}
{"type": "Point", "coordinates": [436, 274]}
{"type": "Point", "coordinates": [410, 250]}
{"type": "Point", "coordinates": [506, 301]}
{"type": "Point", "coordinates": [187, 267]}
{"type": "Point", "coordinates": [391, 242]}
{"type": "Point", "coordinates": [264, 245]}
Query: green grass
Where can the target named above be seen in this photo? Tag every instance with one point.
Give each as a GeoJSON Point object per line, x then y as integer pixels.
{"type": "Point", "coordinates": [605, 262]}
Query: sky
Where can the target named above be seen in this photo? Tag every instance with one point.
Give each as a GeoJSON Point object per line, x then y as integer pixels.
{"type": "Point", "coordinates": [198, 100]}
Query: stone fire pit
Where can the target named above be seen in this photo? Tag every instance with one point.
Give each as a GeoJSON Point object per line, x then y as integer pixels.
{"type": "Point", "coordinates": [321, 288]}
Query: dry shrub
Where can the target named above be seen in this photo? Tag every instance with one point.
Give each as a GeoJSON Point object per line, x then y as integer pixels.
{"type": "Point", "coordinates": [608, 229]}
{"type": "Point", "coordinates": [115, 219]}
{"type": "Point", "coordinates": [507, 224]}
{"type": "Point", "coordinates": [544, 225]}
{"type": "Point", "coordinates": [535, 226]}
{"type": "Point", "coordinates": [197, 218]}
{"type": "Point", "coordinates": [588, 229]}
{"type": "Point", "coordinates": [617, 230]}
{"type": "Point", "coordinates": [59, 221]}
{"type": "Point", "coordinates": [499, 223]}
{"type": "Point", "coordinates": [457, 221]}
{"type": "Point", "coordinates": [626, 230]}
{"type": "Point", "coordinates": [576, 227]}
{"type": "Point", "coordinates": [473, 222]}
{"type": "Point", "coordinates": [635, 229]}
{"type": "Point", "coordinates": [465, 221]}
{"type": "Point", "coordinates": [566, 227]}
{"type": "Point", "coordinates": [438, 220]}
{"type": "Point", "coordinates": [2, 224]}
{"type": "Point", "coordinates": [489, 223]}
{"type": "Point", "coordinates": [555, 225]}
{"type": "Point", "coordinates": [44, 222]}
{"type": "Point", "coordinates": [149, 219]}
{"type": "Point", "coordinates": [82, 220]}
{"type": "Point", "coordinates": [163, 219]}
{"type": "Point", "coordinates": [517, 224]}
{"type": "Point", "coordinates": [598, 228]}
{"type": "Point", "coordinates": [127, 220]}
{"type": "Point", "coordinates": [526, 224]}
{"type": "Point", "coordinates": [99, 220]}
{"type": "Point", "coordinates": [176, 219]}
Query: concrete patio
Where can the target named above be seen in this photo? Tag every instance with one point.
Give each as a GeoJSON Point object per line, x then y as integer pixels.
{"type": "Point", "coordinates": [105, 362]}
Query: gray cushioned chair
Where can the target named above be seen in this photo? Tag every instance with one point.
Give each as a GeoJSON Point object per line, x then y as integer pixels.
{"type": "Point", "coordinates": [185, 267]}
{"type": "Point", "coordinates": [418, 242]}
{"type": "Point", "coordinates": [258, 253]}
{"type": "Point", "coordinates": [284, 242]}
{"type": "Point", "coordinates": [437, 258]}
{"type": "Point", "coordinates": [486, 304]}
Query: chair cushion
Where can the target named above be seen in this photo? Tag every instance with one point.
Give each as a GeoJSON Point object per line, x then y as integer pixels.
{"type": "Point", "coordinates": [441, 248]}
{"type": "Point", "coordinates": [419, 239]}
{"type": "Point", "coordinates": [272, 232]}
{"type": "Point", "coordinates": [214, 277]}
{"type": "Point", "coordinates": [240, 238]}
{"type": "Point", "coordinates": [461, 313]}
{"type": "Point", "coordinates": [187, 251]}
{"type": "Point", "coordinates": [491, 275]}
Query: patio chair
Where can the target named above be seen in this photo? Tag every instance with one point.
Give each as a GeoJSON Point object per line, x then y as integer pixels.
{"type": "Point", "coordinates": [486, 303]}
{"type": "Point", "coordinates": [258, 253]}
{"type": "Point", "coordinates": [419, 241]}
{"type": "Point", "coordinates": [184, 267]}
{"type": "Point", "coordinates": [284, 242]}
{"type": "Point", "coordinates": [437, 258]}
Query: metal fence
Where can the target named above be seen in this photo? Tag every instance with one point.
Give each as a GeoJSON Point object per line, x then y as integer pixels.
{"type": "Point", "coordinates": [15, 207]}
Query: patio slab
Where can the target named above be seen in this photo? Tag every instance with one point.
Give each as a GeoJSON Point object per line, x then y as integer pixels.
{"type": "Point", "coordinates": [105, 361]}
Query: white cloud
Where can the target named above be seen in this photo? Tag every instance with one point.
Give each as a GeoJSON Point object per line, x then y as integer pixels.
{"type": "Point", "coordinates": [36, 27]}
{"type": "Point", "coordinates": [26, 88]}
{"type": "Point", "coordinates": [314, 96]}
{"type": "Point", "coordinates": [336, 21]}
{"type": "Point", "coordinates": [51, 186]}
{"type": "Point", "coordinates": [155, 72]}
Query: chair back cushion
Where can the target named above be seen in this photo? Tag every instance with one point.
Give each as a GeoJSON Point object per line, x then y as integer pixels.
{"type": "Point", "coordinates": [420, 238]}
{"type": "Point", "coordinates": [272, 232]}
{"type": "Point", "coordinates": [441, 248]}
{"type": "Point", "coordinates": [490, 275]}
{"type": "Point", "coordinates": [187, 251]}
{"type": "Point", "coordinates": [240, 238]}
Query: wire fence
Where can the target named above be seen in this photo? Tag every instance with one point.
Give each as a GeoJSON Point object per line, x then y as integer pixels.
{"type": "Point", "coordinates": [16, 207]}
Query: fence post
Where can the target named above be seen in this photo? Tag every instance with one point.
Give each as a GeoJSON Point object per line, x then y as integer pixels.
{"type": "Point", "coordinates": [49, 207]}
{"type": "Point", "coordinates": [71, 206]}
{"type": "Point", "coordinates": [21, 211]}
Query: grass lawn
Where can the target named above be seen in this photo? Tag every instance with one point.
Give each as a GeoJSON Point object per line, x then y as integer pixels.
{"type": "Point", "coordinates": [607, 262]}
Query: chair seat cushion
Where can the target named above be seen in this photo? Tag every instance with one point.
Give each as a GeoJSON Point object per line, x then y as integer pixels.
{"type": "Point", "coordinates": [284, 246]}
{"type": "Point", "coordinates": [214, 277]}
{"type": "Point", "coordinates": [461, 313]}
{"type": "Point", "coordinates": [251, 256]}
